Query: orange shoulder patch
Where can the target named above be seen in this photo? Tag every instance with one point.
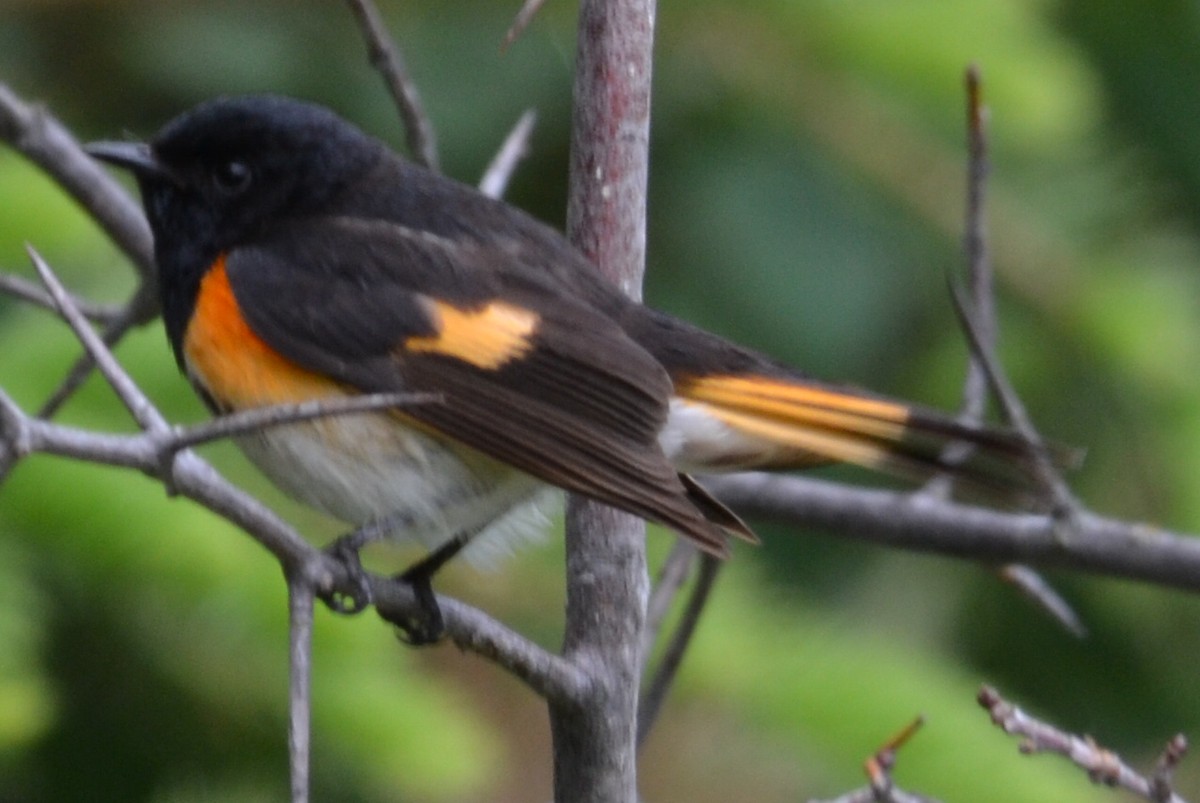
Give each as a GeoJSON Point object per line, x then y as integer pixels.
{"type": "Point", "coordinates": [232, 363]}
{"type": "Point", "coordinates": [486, 337]}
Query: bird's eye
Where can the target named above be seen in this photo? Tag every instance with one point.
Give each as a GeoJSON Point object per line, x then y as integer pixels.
{"type": "Point", "coordinates": [232, 177]}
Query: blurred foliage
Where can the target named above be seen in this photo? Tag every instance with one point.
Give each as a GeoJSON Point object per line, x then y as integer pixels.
{"type": "Point", "coordinates": [806, 198]}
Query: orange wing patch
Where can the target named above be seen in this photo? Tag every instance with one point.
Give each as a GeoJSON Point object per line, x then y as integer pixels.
{"type": "Point", "coordinates": [487, 337]}
{"type": "Point", "coordinates": [233, 364]}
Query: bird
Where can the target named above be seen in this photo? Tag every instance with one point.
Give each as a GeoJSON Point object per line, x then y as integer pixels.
{"type": "Point", "coordinates": [299, 258]}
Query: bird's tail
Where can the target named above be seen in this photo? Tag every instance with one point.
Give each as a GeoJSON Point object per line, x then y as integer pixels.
{"type": "Point", "coordinates": [722, 422]}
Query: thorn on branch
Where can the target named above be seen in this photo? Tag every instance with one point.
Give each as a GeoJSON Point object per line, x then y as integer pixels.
{"type": "Point", "coordinates": [521, 22]}
{"type": "Point", "coordinates": [1035, 588]}
{"type": "Point", "coordinates": [514, 149]}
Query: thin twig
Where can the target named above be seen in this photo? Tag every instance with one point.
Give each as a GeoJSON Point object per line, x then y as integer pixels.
{"type": "Point", "coordinates": [671, 576]}
{"type": "Point", "coordinates": [980, 282]}
{"type": "Point", "coordinates": [1102, 765]}
{"type": "Point", "coordinates": [1101, 545]}
{"type": "Point", "coordinates": [514, 148]}
{"type": "Point", "coordinates": [524, 17]}
{"type": "Point", "coordinates": [27, 291]}
{"type": "Point", "coordinates": [976, 307]}
{"type": "Point", "coordinates": [980, 278]}
{"type": "Point", "coordinates": [981, 287]}
{"type": "Point", "coordinates": [878, 767]}
{"type": "Point", "coordinates": [672, 657]}
{"type": "Point", "coordinates": [385, 56]}
{"type": "Point", "coordinates": [1014, 411]}
{"type": "Point", "coordinates": [113, 333]}
{"type": "Point", "coordinates": [1161, 782]}
{"type": "Point", "coordinates": [260, 418]}
{"type": "Point", "coordinates": [41, 138]}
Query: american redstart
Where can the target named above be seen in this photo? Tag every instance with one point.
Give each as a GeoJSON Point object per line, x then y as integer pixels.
{"type": "Point", "coordinates": [299, 258]}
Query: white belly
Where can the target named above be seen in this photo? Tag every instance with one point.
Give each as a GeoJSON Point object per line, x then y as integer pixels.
{"type": "Point", "coordinates": [363, 468]}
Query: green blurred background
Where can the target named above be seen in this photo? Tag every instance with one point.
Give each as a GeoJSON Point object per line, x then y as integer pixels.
{"type": "Point", "coordinates": [806, 197]}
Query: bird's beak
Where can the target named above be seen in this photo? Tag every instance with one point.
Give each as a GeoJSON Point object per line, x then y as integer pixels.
{"type": "Point", "coordinates": [133, 156]}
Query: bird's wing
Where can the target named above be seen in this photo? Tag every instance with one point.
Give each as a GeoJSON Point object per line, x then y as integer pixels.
{"type": "Point", "coordinates": [524, 373]}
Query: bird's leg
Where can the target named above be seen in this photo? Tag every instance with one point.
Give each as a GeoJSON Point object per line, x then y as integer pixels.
{"type": "Point", "coordinates": [427, 626]}
{"type": "Point", "coordinates": [346, 550]}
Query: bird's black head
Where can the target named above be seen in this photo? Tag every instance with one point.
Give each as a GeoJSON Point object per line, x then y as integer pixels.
{"type": "Point", "coordinates": [219, 173]}
{"type": "Point", "coordinates": [230, 168]}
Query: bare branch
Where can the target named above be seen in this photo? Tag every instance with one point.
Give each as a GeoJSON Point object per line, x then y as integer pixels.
{"type": "Point", "coordinates": [671, 576]}
{"type": "Point", "coordinates": [385, 57]}
{"type": "Point", "coordinates": [36, 134]}
{"type": "Point", "coordinates": [981, 287]}
{"type": "Point", "coordinates": [920, 523]}
{"type": "Point", "coordinates": [1102, 765]}
{"type": "Point", "coordinates": [195, 479]}
{"type": "Point", "coordinates": [45, 141]}
{"type": "Point", "coordinates": [1161, 788]}
{"type": "Point", "coordinates": [1014, 410]}
{"type": "Point", "coordinates": [976, 314]}
{"type": "Point", "coordinates": [113, 333]}
{"type": "Point", "coordinates": [980, 278]}
{"type": "Point", "coordinates": [147, 417]}
{"type": "Point", "coordinates": [512, 151]}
